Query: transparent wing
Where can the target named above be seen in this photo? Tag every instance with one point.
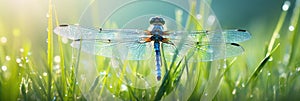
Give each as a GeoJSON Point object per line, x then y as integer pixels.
{"type": "Point", "coordinates": [117, 43]}
{"type": "Point", "coordinates": [205, 45]}
{"type": "Point", "coordinates": [204, 52]}
{"type": "Point", "coordinates": [230, 36]}
{"type": "Point", "coordinates": [75, 32]}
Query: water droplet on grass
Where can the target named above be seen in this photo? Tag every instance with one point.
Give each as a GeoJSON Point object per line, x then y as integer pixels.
{"type": "Point", "coordinates": [57, 59]}
{"type": "Point", "coordinates": [29, 53]}
{"type": "Point", "coordinates": [251, 96]}
{"type": "Point", "coordinates": [18, 60]}
{"type": "Point", "coordinates": [199, 16]}
{"type": "Point", "coordinates": [243, 85]}
{"type": "Point", "coordinates": [298, 69]}
{"type": "Point", "coordinates": [286, 5]}
{"type": "Point", "coordinates": [205, 94]}
{"type": "Point", "coordinates": [124, 88]}
{"type": "Point", "coordinates": [3, 39]}
{"type": "Point", "coordinates": [269, 73]}
{"type": "Point", "coordinates": [7, 58]}
{"type": "Point", "coordinates": [21, 50]}
{"type": "Point", "coordinates": [45, 74]}
{"type": "Point", "coordinates": [4, 68]}
{"type": "Point", "coordinates": [234, 92]}
{"type": "Point", "coordinates": [291, 28]}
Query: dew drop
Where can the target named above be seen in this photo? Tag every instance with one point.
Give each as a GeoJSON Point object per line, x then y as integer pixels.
{"type": "Point", "coordinates": [291, 28]}
{"type": "Point", "coordinates": [18, 60]}
{"type": "Point", "coordinates": [270, 59]}
{"type": "Point", "coordinates": [7, 58]}
{"type": "Point", "coordinates": [26, 59]}
{"type": "Point", "coordinates": [3, 39]}
{"type": "Point", "coordinates": [29, 53]}
{"type": "Point", "coordinates": [205, 94]}
{"type": "Point", "coordinates": [251, 96]}
{"type": "Point", "coordinates": [45, 74]}
{"type": "Point", "coordinates": [234, 92]}
{"type": "Point", "coordinates": [286, 5]}
{"type": "Point", "coordinates": [269, 74]}
{"type": "Point", "coordinates": [199, 16]}
{"type": "Point", "coordinates": [124, 88]}
{"type": "Point", "coordinates": [103, 73]}
{"type": "Point", "coordinates": [57, 59]}
{"type": "Point", "coordinates": [243, 85]}
{"type": "Point", "coordinates": [21, 50]}
{"type": "Point", "coordinates": [4, 68]}
{"type": "Point", "coordinates": [56, 67]}
{"type": "Point", "coordinates": [298, 69]}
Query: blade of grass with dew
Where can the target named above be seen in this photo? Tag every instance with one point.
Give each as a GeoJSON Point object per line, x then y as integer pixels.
{"type": "Point", "coordinates": [261, 65]}
{"type": "Point", "coordinates": [278, 27]}
{"type": "Point", "coordinates": [294, 35]}
{"type": "Point", "coordinates": [62, 89]}
{"type": "Point", "coordinates": [50, 51]}
{"type": "Point", "coordinates": [74, 73]}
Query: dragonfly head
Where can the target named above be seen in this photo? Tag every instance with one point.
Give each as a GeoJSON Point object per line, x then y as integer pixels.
{"type": "Point", "coordinates": [157, 20]}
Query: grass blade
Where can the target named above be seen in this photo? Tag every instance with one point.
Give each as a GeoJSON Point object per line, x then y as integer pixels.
{"type": "Point", "coordinates": [261, 65]}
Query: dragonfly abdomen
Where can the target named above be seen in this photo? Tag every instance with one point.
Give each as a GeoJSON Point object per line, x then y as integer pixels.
{"type": "Point", "coordinates": [158, 60]}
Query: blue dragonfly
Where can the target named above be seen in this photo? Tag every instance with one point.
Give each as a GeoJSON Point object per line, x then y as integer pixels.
{"type": "Point", "coordinates": [137, 44]}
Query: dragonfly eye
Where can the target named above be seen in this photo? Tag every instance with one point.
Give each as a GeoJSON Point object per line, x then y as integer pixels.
{"type": "Point", "coordinates": [157, 20]}
{"type": "Point", "coordinates": [161, 20]}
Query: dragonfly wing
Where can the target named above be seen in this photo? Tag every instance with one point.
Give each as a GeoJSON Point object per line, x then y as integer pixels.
{"type": "Point", "coordinates": [120, 43]}
{"type": "Point", "coordinates": [229, 36]}
{"type": "Point", "coordinates": [235, 36]}
{"type": "Point", "coordinates": [75, 32]}
{"type": "Point", "coordinates": [130, 50]}
{"type": "Point", "coordinates": [206, 52]}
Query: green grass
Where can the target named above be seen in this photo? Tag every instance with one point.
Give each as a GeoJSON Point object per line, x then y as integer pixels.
{"type": "Point", "coordinates": [275, 74]}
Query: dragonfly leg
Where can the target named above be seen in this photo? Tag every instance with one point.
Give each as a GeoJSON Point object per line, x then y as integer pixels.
{"type": "Point", "coordinates": [145, 40]}
{"type": "Point", "coordinates": [167, 41]}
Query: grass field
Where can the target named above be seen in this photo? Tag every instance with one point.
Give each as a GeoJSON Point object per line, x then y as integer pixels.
{"type": "Point", "coordinates": [50, 69]}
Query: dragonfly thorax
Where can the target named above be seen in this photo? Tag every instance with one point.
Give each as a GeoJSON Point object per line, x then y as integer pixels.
{"type": "Point", "coordinates": [157, 29]}
{"type": "Point", "coordinates": [156, 38]}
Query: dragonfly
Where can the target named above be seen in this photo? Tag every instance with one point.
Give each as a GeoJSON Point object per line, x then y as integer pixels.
{"type": "Point", "coordinates": [137, 44]}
